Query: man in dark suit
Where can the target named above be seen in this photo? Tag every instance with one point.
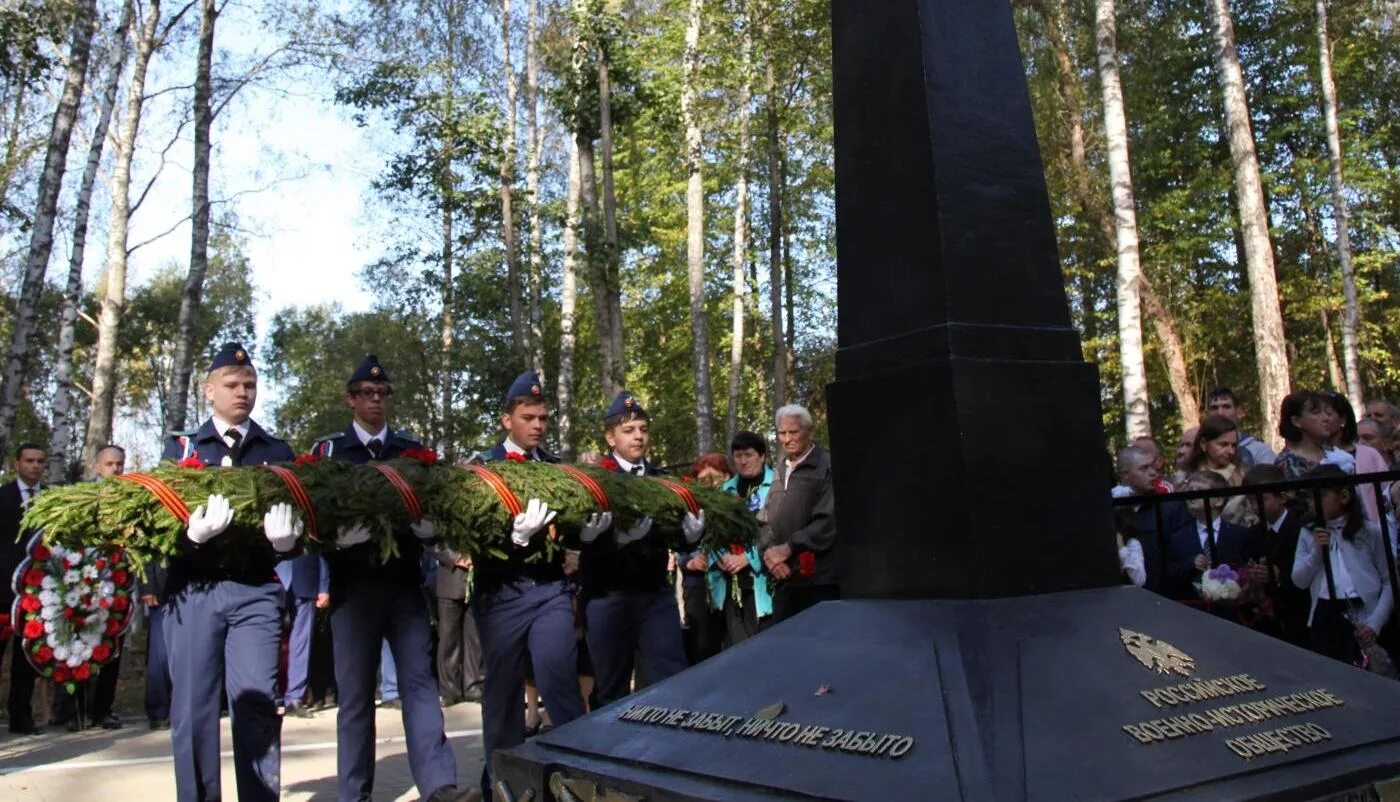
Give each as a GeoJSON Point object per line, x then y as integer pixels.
{"type": "Point", "coordinates": [630, 604]}
{"type": "Point", "coordinates": [222, 618]}
{"type": "Point", "coordinates": [373, 600]}
{"type": "Point", "coordinates": [14, 497]}
{"type": "Point", "coordinates": [459, 645]}
{"type": "Point", "coordinates": [523, 607]}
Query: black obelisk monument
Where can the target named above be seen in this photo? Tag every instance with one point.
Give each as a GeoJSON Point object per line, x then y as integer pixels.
{"type": "Point", "coordinates": [984, 648]}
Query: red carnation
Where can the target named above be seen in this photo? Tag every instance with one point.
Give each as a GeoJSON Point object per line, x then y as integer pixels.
{"type": "Point", "coordinates": [101, 652]}
{"type": "Point", "coordinates": [79, 622]}
{"type": "Point", "coordinates": [427, 456]}
{"type": "Point", "coordinates": [735, 548]}
{"type": "Point", "coordinates": [41, 552]}
{"type": "Point", "coordinates": [30, 604]}
{"type": "Point", "coordinates": [82, 672]}
{"type": "Point", "coordinates": [608, 463]}
{"type": "Point", "coordinates": [515, 457]}
{"type": "Point", "coordinates": [43, 655]}
{"type": "Point", "coordinates": [306, 459]}
{"type": "Point", "coordinates": [101, 563]}
{"type": "Point", "coordinates": [33, 577]}
{"type": "Point", "coordinates": [115, 556]}
{"type": "Point", "coordinates": [120, 603]}
{"type": "Point", "coordinates": [34, 628]}
{"type": "Point", "coordinates": [61, 673]}
{"type": "Point", "coordinates": [120, 577]}
{"type": "Point", "coordinates": [192, 461]}
{"type": "Point", "coordinates": [5, 630]}
{"type": "Point", "coordinates": [114, 625]}
{"type": "Point", "coordinates": [69, 612]}
{"type": "Point", "coordinates": [104, 603]}
{"type": "Point", "coordinates": [807, 564]}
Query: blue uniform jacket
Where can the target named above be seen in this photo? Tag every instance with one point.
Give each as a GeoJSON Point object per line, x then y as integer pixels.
{"type": "Point", "coordinates": [363, 560]}
{"type": "Point", "coordinates": [305, 577]}
{"type": "Point", "coordinates": [636, 568]}
{"type": "Point", "coordinates": [203, 563]}
{"type": "Point", "coordinates": [490, 572]}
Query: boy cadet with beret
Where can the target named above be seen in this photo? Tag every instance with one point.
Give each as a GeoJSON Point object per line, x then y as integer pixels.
{"type": "Point", "coordinates": [221, 622]}
{"type": "Point", "coordinates": [630, 605]}
{"type": "Point", "coordinates": [524, 608]}
{"type": "Point", "coordinates": [373, 601]}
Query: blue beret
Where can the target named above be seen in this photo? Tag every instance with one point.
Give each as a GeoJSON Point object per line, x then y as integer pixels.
{"type": "Point", "coordinates": [231, 355]}
{"type": "Point", "coordinates": [370, 371]}
{"type": "Point", "coordinates": [526, 384]}
{"type": "Point", "coordinates": [625, 404]}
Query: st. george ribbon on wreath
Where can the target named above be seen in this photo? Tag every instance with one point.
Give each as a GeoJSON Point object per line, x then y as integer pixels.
{"type": "Point", "coordinates": [984, 647]}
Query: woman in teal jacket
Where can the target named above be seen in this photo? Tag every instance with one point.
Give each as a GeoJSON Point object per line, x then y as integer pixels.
{"type": "Point", "coordinates": [738, 584]}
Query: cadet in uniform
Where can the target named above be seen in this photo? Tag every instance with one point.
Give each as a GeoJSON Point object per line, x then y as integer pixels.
{"type": "Point", "coordinates": [221, 623]}
{"type": "Point", "coordinates": [524, 607]}
{"type": "Point", "coordinates": [307, 582]}
{"type": "Point", "coordinates": [372, 602]}
{"type": "Point", "coordinates": [631, 606]}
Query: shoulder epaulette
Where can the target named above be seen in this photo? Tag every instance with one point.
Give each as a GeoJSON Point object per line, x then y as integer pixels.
{"type": "Point", "coordinates": [183, 432]}
{"type": "Point", "coordinates": [333, 435]}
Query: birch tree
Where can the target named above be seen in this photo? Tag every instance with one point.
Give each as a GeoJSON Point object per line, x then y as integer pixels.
{"type": "Point", "coordinates": [609, 284]}
{"type": "Point", "coordinates": [104, 385]}
{"type": "Point", "coordinates": [36, 263]}
{"type": "Point", "coordinates": [695, 231]}
{"type": "Point", "coordinates": [534, 278]}
{"type": "Point", "coordinates": [1340, 214]}
{"type": "Point", "coordinates": [517, 317]}
{"type": "Point", "coordinates": [568, 297]}
{"type": "Point", "coordinates": [1269, 345]}
{"type": "Point", "coordinates": [63, 431]}
{"type": "Point", "coordinates": [1137, 411]}
{"type": "Point", "coordinates": [741, 226]}
{"type": "Point", "coordinates": [773, 135]}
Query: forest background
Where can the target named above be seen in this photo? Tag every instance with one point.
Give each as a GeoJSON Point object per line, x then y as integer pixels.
{"type": "Point", "coordinates": [639, 193]}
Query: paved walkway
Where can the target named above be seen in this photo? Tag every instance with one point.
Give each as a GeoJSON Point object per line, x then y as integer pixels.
{"type": "Point", "coordinates": [133, 763]}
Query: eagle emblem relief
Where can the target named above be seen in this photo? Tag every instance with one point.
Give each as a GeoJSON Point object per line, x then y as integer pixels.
{"type": "Point", "coordinates": [1157, 655]}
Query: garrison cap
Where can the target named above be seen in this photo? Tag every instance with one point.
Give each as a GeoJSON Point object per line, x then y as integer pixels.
{"type": "Point", "coordinates": [625, 404]}
{"type": "Point", "coordinates": [370, 371]}
{"type": "Point", "coordinates": [231, 355]}
{"type": "Point", "coordinates": [526, 384]}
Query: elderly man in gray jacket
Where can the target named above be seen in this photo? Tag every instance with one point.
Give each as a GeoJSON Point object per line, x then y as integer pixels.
{"type": "Point", "coordinates": [799, 532]}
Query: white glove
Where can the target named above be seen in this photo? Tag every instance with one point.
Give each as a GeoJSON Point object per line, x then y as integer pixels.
{"type": "Point", "coordinates": [597, 524]}
{"type": "Point", "coordinates": [423, 529]}
{"type": "Point", "coordinates": [535, 517]}
{"type": "Point", "coordinates": [352, 535]}
{"type": "Point", "coordinates": [637, 532]}
{"type": "Point", "coordinates": [209, 519]}
{"type": "Point", "coordinates": [693, 526]}
{"type": "Point", "coordinates": [282, 527]}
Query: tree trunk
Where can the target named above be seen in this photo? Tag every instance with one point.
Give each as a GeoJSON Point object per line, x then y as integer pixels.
{"type": "Point", "coordinates": [568, 297]}
{"type": "Point", "coordinates": [1351, 319]}
{"type": "Point", "coordinates": [61, 438]}
{"type": "Point", "coordinates": [446, 332]}
{"type": "Point", "coordinates": [775, 218]}
{"type": "Point", "coordinates": [1334, 369]}
{"type": "Point", "coordinates": [1269, 341]}
{"type": "Point", "coordinates": [193, 294]}
{"type": "Point", "coordinates": [611, 261]}
{"type": "Point", "coordinates": [741, 229]}
{"type": "Point", "coordinates": [1164, 322]}
{"type": "Point", "coordinates": [104, 384]}
{"type": "Point", "coordinates": [36, 262]}
{"type": "Point", "coordinates": [1136, 407]}
{"type": "Point", "coordinates": [532, 184]}
{"type": "Point", "coordinates": [695, 232]}
{"type": "Point", "coordinates": [517, 314]}
{"type": "Point", "coordinates": [12, 148]}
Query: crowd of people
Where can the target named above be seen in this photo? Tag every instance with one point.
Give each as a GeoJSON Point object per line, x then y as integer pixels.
{"type": "Point", "coordinates": [537, 642]}
{"type": "Point", "coordinates": [1312, 565]}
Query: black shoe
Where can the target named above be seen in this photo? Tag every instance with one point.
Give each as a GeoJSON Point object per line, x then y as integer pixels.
{"type": "Point", "coordinates": [473, 694]}
{"type": "Point", "coordinates": [111, 722]}
{"type": "Point", "coordinates": [300, 711]}
{"type": "Point", "coordinates": [160, 723]}
{"type": "Point", "coordinates": [392, 704]}
{"type": "Point", "coordinates": [22, 729]}
{"type": "Point", "coordinates": [74, 725]}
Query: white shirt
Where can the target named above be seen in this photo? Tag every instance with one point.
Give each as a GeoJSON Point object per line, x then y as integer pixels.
{"type": "Point", "coordinates": [365, 436]}
{"type": "Point", "coordinates": [221, 426]}
{"type": "Point", "coordinates": [512, 448]}
{"type": "Point", "coordinates": [793, 463]}
{"type": "Point", "coordinates": [1131, 561]}
{"type": "Point", "coordinates": [1277, 524]}
{"type": "Point", "coordinates": [628, 466]}
{"type": "Point", "coordinates": [26, 493]}
{"type": "Point", "coordinates": [1205, 537]}
{"type": "Point", "coordinates": [1341, 577]}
